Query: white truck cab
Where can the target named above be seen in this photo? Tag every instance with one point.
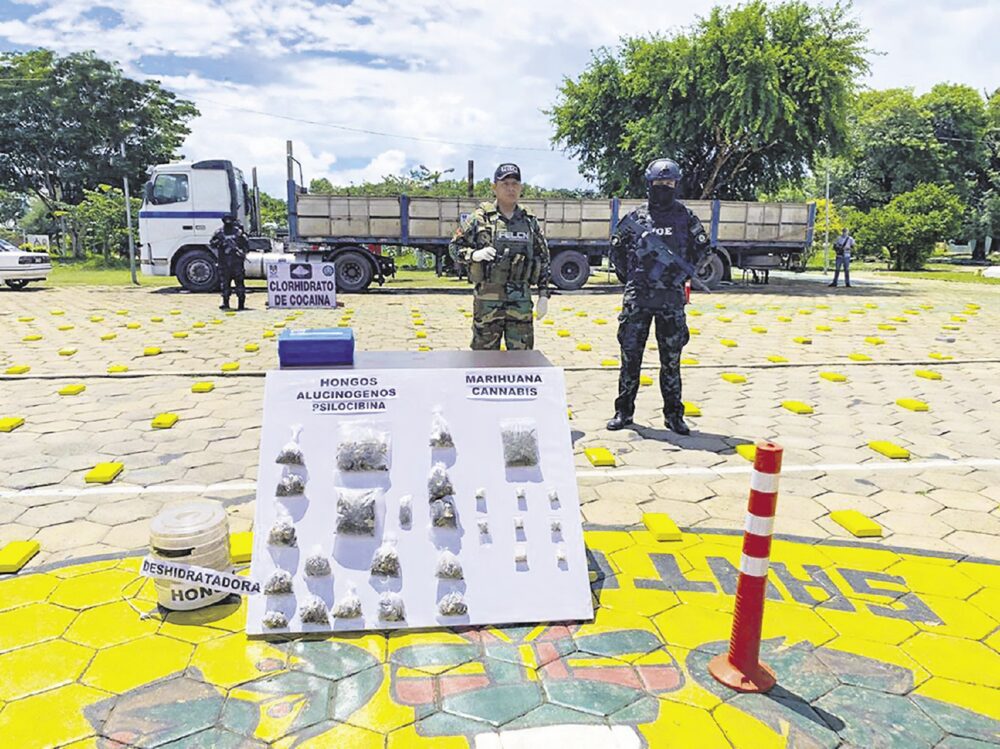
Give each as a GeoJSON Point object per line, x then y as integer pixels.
{"type": "Point", "coordinates": [182, 206]}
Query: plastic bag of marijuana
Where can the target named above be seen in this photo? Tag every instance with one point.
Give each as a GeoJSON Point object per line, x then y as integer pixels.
{"type": "Point", "coordinates": [291, 453]}
{"type": "Point", "coordinates": [443, 513]}
{"type": "Point", "coordinates": [362, 447]}
{"type": "Point", "coordinates": [279, 582]}
{"type": "Point", "coordinates": [275, 620]}
{"type": "Point", "coordinates": [317, 565]}
{"type": "Point", "coordinates": [348, 607]}
{"type": "Point", "coordinates": [520, 443]}
{"type": "Point", "coordinates": [385, 561]}
{"type": "Point", "coordinates": [448, 566]}
{"type": "Point", "coordinates": [440, 431]}
{"type": "Point", "coordinates": [390, 607]}
{"type": "Point", "coordinates": [356, 511]}
{"type": "Point", "coordinates": [313, 611]}
{"type": "Point", "coordinates": [282, 533]}
{"type": "Point", "coordinates": [405, 511]}
{"type": "Point", "coordinates": [439, 483]}
{"type": "Point", "coordinates": [290, 485]}
{"type": "Point", "coordinates": [453, 604]}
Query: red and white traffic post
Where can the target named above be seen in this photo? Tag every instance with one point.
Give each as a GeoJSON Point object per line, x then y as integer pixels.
{"type": "Point", "coordinates": [741, 668]}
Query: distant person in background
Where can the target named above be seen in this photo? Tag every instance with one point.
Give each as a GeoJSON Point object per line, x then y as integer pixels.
{"type": "Point", "coordinates": [231, 245]}
{"type": "Point", "coordinates": [842, 247]}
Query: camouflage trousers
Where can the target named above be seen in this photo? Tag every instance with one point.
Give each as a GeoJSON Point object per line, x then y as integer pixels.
{"type": "Point", "coordinates": [511, 320]}
{"type": "Point", "coordinates": [671, 336]}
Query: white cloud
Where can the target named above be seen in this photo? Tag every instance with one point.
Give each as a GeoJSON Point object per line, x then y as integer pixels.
{"type": "Point", "coordinates": [468, 73]}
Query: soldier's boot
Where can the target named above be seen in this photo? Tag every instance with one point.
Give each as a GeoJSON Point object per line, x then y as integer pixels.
{"type": "Point", "coordinates": [242, 303]}
{"type": "Point", "coordinates": [225, 303]}
{"type": "Point", "coordinates": [619, 421]}
{"type": "Point", "coordinates": [675, 423]}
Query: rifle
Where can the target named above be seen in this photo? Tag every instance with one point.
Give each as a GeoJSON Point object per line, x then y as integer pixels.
{"type": "Point", "coordinates": [655, 245]}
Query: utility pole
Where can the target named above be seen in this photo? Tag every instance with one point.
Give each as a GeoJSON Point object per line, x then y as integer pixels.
{"type": "Point", "coordinates": [826, 240]}
{"type": "Point", "coordinates": [128, 220]}
{"type": "Point", "coordinates": [472, 179]}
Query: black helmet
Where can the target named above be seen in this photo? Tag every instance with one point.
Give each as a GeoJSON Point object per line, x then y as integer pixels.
{"type": "Point", "coordinates": [663, 169]}
{"type": "Point", "coordinates": [228, 218]}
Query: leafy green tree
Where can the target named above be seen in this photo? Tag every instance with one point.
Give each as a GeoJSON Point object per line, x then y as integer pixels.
{"type": "Point", "coordinates": [12, 207]}
{"type": "Point", "coordinates": [741, 100]}
{"type": "Point", "coordinates": [273, 214]}
{"type": "Point", "coordinates": [909, 225]}
{"type": "Point", "coordinates": [98, 222]}
{"type": "Point", "coordinates": [416, 186]}
{"type": "Point", "coordinates": [64, 119]}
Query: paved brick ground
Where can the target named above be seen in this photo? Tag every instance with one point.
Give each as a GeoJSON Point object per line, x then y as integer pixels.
{"type": "Point", "coordinates": [892, 644]}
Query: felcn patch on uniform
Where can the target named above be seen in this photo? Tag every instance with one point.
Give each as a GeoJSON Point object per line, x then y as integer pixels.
{"type": "Point", "coordinates": [866, 636]}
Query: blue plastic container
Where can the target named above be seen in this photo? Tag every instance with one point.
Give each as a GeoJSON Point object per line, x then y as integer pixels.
{"type": "Point", "coordinates": [322, 347]}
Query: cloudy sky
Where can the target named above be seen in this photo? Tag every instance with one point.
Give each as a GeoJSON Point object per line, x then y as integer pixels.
{"type": "Point", "coordinates": [375, 87]}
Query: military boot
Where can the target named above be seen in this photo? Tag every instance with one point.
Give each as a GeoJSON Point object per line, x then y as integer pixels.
{"type": "Point", "coordinates": [242, 305]}
{"type": "Point", "coordinates": [225, 304]}
{"type": "Point", "coordinates": [619, 421]}
{"type": "Point", "coordinates": [675, 423]}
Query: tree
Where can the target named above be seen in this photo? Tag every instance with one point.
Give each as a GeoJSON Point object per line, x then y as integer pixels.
{"type": "Point", "coordinates": [12, 207]}
{"type": "Point", "coordinates": [740, 101]}
{"type": "Point", "coordinates": [417, 187]}
{"type": "Point", "coordinates": [99, 222]}
{"type": "Point", "coordinates": [64, 119]}
{"type": "Point", "coordinates": [273, 214]}
{"type": "Point", "coordinates": [909, 226]}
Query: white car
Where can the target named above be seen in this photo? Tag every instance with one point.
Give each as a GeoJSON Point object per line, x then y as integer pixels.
{"type": "Point", "coordinates": [18, 267]}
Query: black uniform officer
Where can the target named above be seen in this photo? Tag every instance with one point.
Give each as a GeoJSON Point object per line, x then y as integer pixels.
{"type": "Point", "coordinates": [231, 245]}
{"type": "Point", "coordinates": [654, 274]}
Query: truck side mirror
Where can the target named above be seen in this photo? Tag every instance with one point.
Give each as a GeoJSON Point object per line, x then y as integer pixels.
{"type": "Point", "coordinates": [147, 192]}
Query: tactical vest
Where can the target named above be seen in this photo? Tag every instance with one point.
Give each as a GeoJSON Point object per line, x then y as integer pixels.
{"type": "Point", "coordinates": [516, 266]}
{"type": "Point", "coordinates": [653, 279]}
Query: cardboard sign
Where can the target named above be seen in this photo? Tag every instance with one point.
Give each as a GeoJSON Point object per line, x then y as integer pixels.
{"type": "Point", "coordinates": [517, 532]}
{"type": "Point", "coordinates": [301, 285]}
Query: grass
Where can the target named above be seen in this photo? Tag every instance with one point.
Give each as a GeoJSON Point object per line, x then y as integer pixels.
{"type": "Point", "coordinates": [95, 271]}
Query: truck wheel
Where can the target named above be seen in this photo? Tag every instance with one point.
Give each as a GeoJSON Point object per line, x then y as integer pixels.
{"type": "Point", "coordinates": [570, 270]}
{"type": "Point", "coordinates": [16, 283]}
{"type": "Point", "coordinates": [354, 272]}
{"type": "Point", "coordinates": [712, 270]}
{"type": "Point", "coordinates": [198, 272]}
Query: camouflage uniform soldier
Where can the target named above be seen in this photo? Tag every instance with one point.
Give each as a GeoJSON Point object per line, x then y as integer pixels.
{"type": "Point", "coordinates": [505, 251]}
{"type": "Point", "coordinates": [654, 274]}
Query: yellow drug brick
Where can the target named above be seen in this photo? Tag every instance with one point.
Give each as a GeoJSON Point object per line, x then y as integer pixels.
{"type": "Point", "coordinates": [841, 318]}
{"type": "Point", "coordinates": [758, 329]}
{"type": "Point", "coordinates": [416, 323]}
{"type": "Point", "coordinates": [823, 328]}
{"type": "Point", "coordinates": [175, 312]}
{"type": "Point", "coordinates": [16, 554]}
{"type": "Point", "coordinates": [581, 313]}
{"type": "Point", "coordinates": [58, 312]}
{"type": "Point", "coordinates": [911, 312]}
{"type": "Point", "coordinates": [65, 327]}
{"type": "Point", "coordinates": [103, 473]}
{"type": "Point", "coordinates": [421, 334]}
{"type": "Point", "coordinates": [548, 322]}
{"type": "Point", "coordinates": [912, 404]}
{"type": "Point", "coordinates": [858, 312]}
{"type": "Point", "coordinates": [180, 334]}
{"type": "Point", "coordinates": [661, 526]}
{"type": "Point", "coordinates": [609, 362]}
{"type": "Point", "coordinates": [805, 311]}
{"type": "Point", "coordinates": [231, 314]}
{"type": "Point", "coordinates": [203, 387]}
{"type": "Point", "coordinates": [970, 305]}
{"type": "Point", "coordinates": [899, 319]}
{"type": "Point", "coordinates": [152, 351]}
{"type": "Point", "coordinates": [117, 368]}
{"type": "Point", "coordinates": [886, 327]}
{"type": "Point", "coordinates": [566, 309]}
{"type": "Point", "coordinates": [749, 312]}
{"type": "Point", "coordinates": [725, 319]}
{"type": "Point", "coordinates": [871, 305]}
{"type": "Point", "coordinates": [691, 409]}
{"type": "Point", "coordinates": [689, 362]}
{"type": "Point", "coordinates": [874, 341]}
{"type": "Point", "coordinates": [600, 456]}
{"type": "Point", "coordinates": [856, 523]}
{"type": "Point", "coordinates": [132, 325]}
{"type": "Point", "coordinates": [939, 356]}
{"type": "Point", "coordinates": [569, 413]}
{"type": "Point", "coordinates": [736, 379]}
{"type": "Point", "coordinates": [69, 351]}
{"type": "Point", "coordinates": [96, 318]}
{"type": "Point", "coordinates": [728, 343]}
{"type": "Point", "coordinates": [251, 347]}
{"type": "Point", "coordinates": [645, 380]}
{"type": "Point", "coordinates": [889, 449]}
{"type": "Point", "coordinates": [583, 347]}
{"type": "Point", "coordinates": [775, 359]}
{"type": "Point", "coordinates": [951, 327]}
{"type": "Point", "coordinates": [109, 336]}
{"type": "Point", "coordinates": [822, 306]}
{"type": "Point", "coordinates": [230, 366]}
{"type": "Point", "coordinates": [748, 452]}
{"type": "Point", "coordinates": [797, 407]}
{"type": "Point", "coordinates": [958, 318]}
{"type": "Point", "coordinates": [423, 348]}
{"type": "Point", "coordinates": [32, 337]}
{"type": "Point", "coordinates": [163, 421]}
{"type": "Point", "coordinates": [803, 340]}
{"type": "Point", "coordinates": [18, 369]}
{"type": "Point", "coordinates": [833, 376]}
{"type": "Point", "coordinates": [198, 325]}
{"type": "Point", "coordinates": [268, 334]}
{"type": "Point", "coordinates": [720, 305]}
{"type": "Point", "coordinates": [240, 546]}
{"type": "Point", "coordinates": [10, 423]}
{"type": "Point", "coordinates": [600, 321]}
{"type": "Point", "coordinates": [694, 331]}
{"type": "Point", "coordinates": [693, 313]}
{"type": "Point", "coordinates": [928, 374]}
{"type": "Point", "coordinates": [859, 357]}
{"type": "Point", "coordinates": [782, 318]}
{"type": "Point", "coordinates": [121, 312]}
{"type": "Point", "coordinates": [156, 319]}
{"type": "Point", "coordinates": [562, 333]}
{"type": "Point", "coordinates": [25, 319]}
{"type": "Point", "coordinates": [74, 389]}
{"type": "Point", "coordinates": [276, 325]}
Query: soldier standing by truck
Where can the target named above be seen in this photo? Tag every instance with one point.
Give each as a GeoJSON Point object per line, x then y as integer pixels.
{"type": "Point", "coordinates": [506, 254]}
{"type": "Point", "coordinates": [231, 245]}
{"type": "Point", "coordinates": [655, 249]}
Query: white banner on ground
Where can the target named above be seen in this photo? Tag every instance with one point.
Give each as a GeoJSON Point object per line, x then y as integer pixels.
{"type": "Point", "coordinates": [202, 576]}
{"type": "Point", "coordinates": [301, 285]}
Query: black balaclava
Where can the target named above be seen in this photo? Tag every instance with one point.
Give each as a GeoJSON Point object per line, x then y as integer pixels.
{"type": "Point", "coordinates": [661, 197]}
